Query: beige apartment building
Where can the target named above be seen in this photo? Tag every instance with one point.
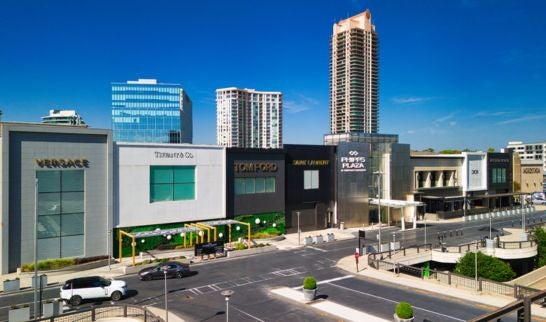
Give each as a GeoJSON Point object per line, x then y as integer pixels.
{"type": "Point", "coordinates": [247, 118]}
{"type": "Point", "coordinates": [354, 76]}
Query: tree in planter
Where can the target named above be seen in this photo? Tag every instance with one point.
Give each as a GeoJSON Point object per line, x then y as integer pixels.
{"type": "Point", "coordinates": [489, 267]}
{"type": "Point", "coordinates": [404, 311]}
{"type": "Point", "coordinates": [540, 237]}
{"type": "Point", "coordinates": [309, 288]}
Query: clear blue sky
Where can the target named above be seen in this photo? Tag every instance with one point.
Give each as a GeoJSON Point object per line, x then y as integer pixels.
{"type": "Point", "coordinates": [453, 74]}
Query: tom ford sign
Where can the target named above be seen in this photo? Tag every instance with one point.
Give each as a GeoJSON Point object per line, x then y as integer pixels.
{"type": "Point", "coordinates": [62, 163]}
{"type": "Point", "coordinates": [255, 167]}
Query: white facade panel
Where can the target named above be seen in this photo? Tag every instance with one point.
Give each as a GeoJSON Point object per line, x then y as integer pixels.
{"type": "Point", "coordinates": [474, 172]}
{"type": "Point", "coordinates": [133, 193]}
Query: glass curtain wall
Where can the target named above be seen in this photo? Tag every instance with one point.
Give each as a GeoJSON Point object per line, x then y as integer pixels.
{"type": "Point", "coordinates": [61, 215]}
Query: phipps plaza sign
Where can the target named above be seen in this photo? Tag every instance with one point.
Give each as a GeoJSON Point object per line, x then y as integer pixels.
{"type": "Point", "coordinates": [353, 162]}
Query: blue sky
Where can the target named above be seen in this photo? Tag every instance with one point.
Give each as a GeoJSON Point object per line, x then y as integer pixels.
{"type": "Point", "coordinates": [453, 74]}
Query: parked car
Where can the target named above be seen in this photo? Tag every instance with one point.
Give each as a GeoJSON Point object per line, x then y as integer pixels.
{"type": "Point", "coordinates": [173, 269]}
{"type": "Point", "coordinates": [76, 290]}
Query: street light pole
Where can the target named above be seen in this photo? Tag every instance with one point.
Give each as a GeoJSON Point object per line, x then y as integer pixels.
{"type": "Point", "coordinates": [299, 233]}
{"type": "Point", "coordinates": [379, 173]}
{"type": "Point", "coordinates": [476, 268]}
{"type": "Point", "coordinates": [425, 218]}
{"type": "Point", "coordinates": [227, 294]}
{"type": "Point", "coordinates": [36, 248]}
{"type": "Point", "coordinates": [166, 300]}
{"type": "Point", "coordinates": [489, 226]}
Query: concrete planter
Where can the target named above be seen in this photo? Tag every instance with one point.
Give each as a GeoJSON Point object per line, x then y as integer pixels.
{"type": "Point", "coordinates": [51, 309]}
{"type": "Point", "coordinates": [308, 240]}
{"type": "Point", "coordinates": [19, 314]}
{"type": "Point", "coordinates": [309, 295]}
{"type": "Point", "coordinates": [330, 237]}
{"type": "Point", "coordinates": [12, 285]}
{"type": "Point", "coordinates": [318, 239]}
{"type": "Point", "coordinates": [397, 319]}
{"type": "Point", "coordinates": [252, 251]}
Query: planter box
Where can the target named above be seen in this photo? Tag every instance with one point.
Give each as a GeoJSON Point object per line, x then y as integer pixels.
{"type": "Point", "coordinates": [330, 237]}
{"type": "Point", "coordinates": [51, 309]}
{"type": "Point", "coordinates": [318, 239]}
{"type": "Point", "coordinates": [397, 319]}
{"type": "Point", "coordinates": [19, 314]}
{"type": "Point", "coordinates": [252, 251]}
{"type": "Point", "coordinates": [309, 295]}
{"type": "Point", "coordinates": [307, 240]}
{"type": "Point", "coordinates": [12, 285]}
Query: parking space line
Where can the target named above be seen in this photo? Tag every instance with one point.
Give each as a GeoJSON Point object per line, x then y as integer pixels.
{"type": "Point", "coordinates": [245, 313]}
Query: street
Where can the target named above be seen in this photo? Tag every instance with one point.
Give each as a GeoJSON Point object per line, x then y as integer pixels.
{"type": "Point", "coordinates": [198, 298]}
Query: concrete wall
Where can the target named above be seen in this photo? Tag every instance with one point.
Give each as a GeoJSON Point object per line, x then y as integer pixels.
{"type": "Point", "coordinates": [132, 193]}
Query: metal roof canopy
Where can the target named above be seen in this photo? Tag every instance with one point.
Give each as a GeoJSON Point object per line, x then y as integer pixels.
{"type": "Point", "coordinates": [182, 230]}
{"type": "Point", "coordinates": [396, 203]}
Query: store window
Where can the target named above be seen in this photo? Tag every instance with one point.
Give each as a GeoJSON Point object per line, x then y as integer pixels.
{"type": "Point", "coordinates": [171, 183]}
{"type": "Point", "coordinates": [246, 186]}
{"type": "Point", "coordinates": [310, 179]}
{"type": "Point", "coordinates": [60, 210]}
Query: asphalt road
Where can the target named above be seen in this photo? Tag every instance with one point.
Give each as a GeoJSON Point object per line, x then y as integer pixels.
{"type": "Point", "coordinates": [198, 298]}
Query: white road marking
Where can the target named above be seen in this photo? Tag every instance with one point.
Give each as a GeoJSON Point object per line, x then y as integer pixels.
{"type": "Point", "coordinates": [393, 301]}
{"type": "Point", "coordinates": [328, 281]}
{"type": "Point", "coordinates": [319, 249]}
{"type": "Point", "coordinates": [245, 313]}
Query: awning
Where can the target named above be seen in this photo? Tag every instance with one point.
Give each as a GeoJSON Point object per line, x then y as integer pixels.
{"type": "Point", "coordinates": [396, 203]}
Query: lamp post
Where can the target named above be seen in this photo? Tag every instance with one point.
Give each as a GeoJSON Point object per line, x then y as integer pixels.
{"type": "Point", "coordinates": [379, 173]}
{"type": "Point", "coordinates": [166, 300]}
{"type": "Point", "coordinates": [476, 268]}
{"type": "Point", "coordinates": [299, 233]}
{"type": "Point", "coordinates": [489, 226]}
{"type": "Point", "coordinates": [425, 218]}
{"type": "Point", "coordinates": [36, 248]}
{"type": "Point", "coordinates": [227, 294]}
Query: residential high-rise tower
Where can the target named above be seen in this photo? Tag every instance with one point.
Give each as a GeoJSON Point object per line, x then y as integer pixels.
{"type": "Point", "coordinates": [247, 118]}
{"type": "Point", "coordinates": [354, 76]}
{"type": "Point", "coordinates": [148, 111]}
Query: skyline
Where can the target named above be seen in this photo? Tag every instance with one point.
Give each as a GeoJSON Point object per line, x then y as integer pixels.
{"type": "Point", "coordinates": [463, 74]}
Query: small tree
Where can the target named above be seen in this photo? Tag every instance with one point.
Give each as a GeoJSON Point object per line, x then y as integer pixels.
{"type": "Point", "coordinates": [540, 236]}
{"type": "Point", "coordinates": [489, 267]}
{"type": "Point", "coordinates": [404, 310]}
{"type": "Point", "coordinates": [490, 149]}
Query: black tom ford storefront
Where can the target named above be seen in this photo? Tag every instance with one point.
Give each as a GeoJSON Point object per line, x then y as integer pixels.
{"type": "Point", "coordinates": [255, 182]}
{"type": "Point", "coordinates": [310, 185]}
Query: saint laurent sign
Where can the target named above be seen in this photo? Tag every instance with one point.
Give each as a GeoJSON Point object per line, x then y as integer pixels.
{"type": "Point", "coordinates": [310, 162]}
{"type": "Point", "coordinates": [255, 167]}
{"type": "Point", "coordinates": [531, 170]}
{"type": "Point", "coordinates": [62, 163]}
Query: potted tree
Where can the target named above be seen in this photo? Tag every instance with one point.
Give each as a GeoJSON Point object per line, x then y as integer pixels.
{"type": "Point", "coordinates": [309, 288]}
{"type": "Point", "coordinates": [403, 312]}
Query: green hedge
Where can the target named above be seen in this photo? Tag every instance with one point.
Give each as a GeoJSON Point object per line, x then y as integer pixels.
{"type": "Point", "coordinates": [489, 267]}
{"type": "Point", "coordinates": [309, 283]}
{"type": "Point", "coordinates": [404, 310]}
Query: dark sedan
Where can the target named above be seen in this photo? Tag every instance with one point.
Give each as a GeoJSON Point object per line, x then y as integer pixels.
{"type": "Point", "coordinates": [173, 269]}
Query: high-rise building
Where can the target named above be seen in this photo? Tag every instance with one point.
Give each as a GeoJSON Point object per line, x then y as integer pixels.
{"type": "Point", "coordinates": [148, 111]}
{"type": "Point", "coordinates": [65, 117]}
{"type": "Point", "coordinates": [354, 76]}
{"type": "Point", "coordinates": [247, 118]}
{"type": "Point", "coordinates": [530, 151]}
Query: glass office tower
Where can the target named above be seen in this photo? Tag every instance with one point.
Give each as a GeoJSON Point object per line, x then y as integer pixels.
{"type": "Point", "coordinates": [148, 111]}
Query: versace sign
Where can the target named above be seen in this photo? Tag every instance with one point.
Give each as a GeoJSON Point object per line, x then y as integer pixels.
{"type": "Point", "coordinates": [62, 163]}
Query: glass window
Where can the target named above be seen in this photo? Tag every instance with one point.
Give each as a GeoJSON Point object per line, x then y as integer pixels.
{"type": "Point", "coordinates": [260, 185]}
{"type": "Point", "coordinates": [60, 213]}
{"type": "Point", "coordinates": [270, 184]}
{"type": "Point", "coordinates": [250, 185]}
{"type": "Point", "coordinates": [310, 179]}
{"type": "Point", "coordinates": [239, 186]}
{"type": "Point", "coordinates": [168, 183]}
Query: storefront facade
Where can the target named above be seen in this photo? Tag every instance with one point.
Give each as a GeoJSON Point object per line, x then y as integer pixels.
{"type": "Point", "coordinates": [57, 188]}
{"type": "Point", "coordinates": [310, 178]}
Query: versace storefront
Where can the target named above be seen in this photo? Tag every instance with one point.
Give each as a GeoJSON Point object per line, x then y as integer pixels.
{"type": "Point", "coordinates": [57, 188]}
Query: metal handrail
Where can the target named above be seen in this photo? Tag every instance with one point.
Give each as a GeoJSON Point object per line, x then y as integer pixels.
{"type": "Point", "coordinates": [102, 311]}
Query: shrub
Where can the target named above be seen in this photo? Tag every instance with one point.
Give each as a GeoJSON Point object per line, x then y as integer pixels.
{"type": "Point", "coordinates": [49, 264]}
{"type": "Point", "coordinates": [540, 237]}
{"type": "Point", "coordinates": [489, 267]}
{"type": "Point", "coordinates": [239, 246]}
{"type": "Point", "coordinates": [83, 260]}
{"type": "Point", "coordinates": [309, 283]}
{"type": "Point", "coordinates": [404, 310]}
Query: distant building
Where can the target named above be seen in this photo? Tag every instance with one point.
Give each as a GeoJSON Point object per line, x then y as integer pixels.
{"type": "Point", "coordinates": [246, 118]}
{"type": "Point", "coordinates": [148, 111]}
{"type": "Point", "coordinates": [530, 151]}
{"type": "Point", "coordinates": [66, 117]}
{"type": "Point", "coordinates": [354, 76]}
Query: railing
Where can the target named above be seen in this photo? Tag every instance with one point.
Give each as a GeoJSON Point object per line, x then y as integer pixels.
{"type": "Point", "coordinates": [105, 311]}
{"type": "Point", "coordinates": [448, 278]}
{"type": "Point", "coordinates": [405, 251]}
{"type": "Point", "coordinates": [516, 244]}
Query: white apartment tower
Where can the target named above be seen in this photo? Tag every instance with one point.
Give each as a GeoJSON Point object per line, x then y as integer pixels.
{"type": "Point", "coordinates": [530, 151]}
{"type": "Point", "coordinates": [247, 118]}
{"type": "Point", "coordinates": [354, 76]}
